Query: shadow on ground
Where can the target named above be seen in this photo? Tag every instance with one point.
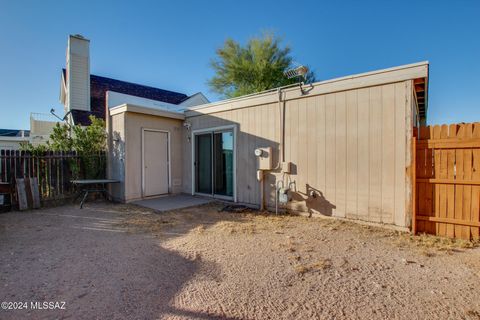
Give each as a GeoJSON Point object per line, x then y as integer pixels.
{"type": "Point", "coordinates": [98, 261]}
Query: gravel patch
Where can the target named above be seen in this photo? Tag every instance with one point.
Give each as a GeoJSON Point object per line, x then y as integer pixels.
{"type": "Point", "coordinates": [125, 262]}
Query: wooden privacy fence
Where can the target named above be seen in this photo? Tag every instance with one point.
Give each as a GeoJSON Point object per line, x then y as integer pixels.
{"type": "Point", "coordinates": [54, 170]}
{"type": "Point", "coordinates": [447, 187]}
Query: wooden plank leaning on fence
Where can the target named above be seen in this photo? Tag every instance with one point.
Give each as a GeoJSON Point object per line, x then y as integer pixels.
{"type": "Point", "coordinates": [35, 193]}
{"type": "Point", "coordinates": [448, 180]}
{"type": "Point", "coordinates": [21, 194]}
{"type": "Point", "coordinates": [51, 171]}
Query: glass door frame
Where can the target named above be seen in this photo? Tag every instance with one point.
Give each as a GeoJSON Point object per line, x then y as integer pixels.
{"type": "Point", "coordinates": [212, 131]}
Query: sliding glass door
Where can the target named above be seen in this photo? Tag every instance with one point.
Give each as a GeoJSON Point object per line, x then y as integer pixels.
{"type": "Point", "coordinates": [214, 163]}
{"type": "Point", "coordinates": [223, 163]}
{"type": "Point", "coordinates": [203, 163]}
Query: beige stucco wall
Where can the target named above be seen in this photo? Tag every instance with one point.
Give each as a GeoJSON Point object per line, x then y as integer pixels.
{"type": "Point", "coordinates": [12, 144]}
{"type": "Point", "coordinates": [40, 131]}
{"type": "Point", "coordinates": [352, 147]}
{"type": "Point", "coordinates": [41, 128]}
{"type": "Point", "coordinates": [126, 151]}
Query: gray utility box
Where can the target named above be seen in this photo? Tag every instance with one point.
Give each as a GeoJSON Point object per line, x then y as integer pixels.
{"type": "Point", "coordinates": [283, 195]}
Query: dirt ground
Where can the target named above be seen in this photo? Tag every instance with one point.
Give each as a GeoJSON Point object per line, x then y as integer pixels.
{"type": "Point", "coordinates": [123, 262]}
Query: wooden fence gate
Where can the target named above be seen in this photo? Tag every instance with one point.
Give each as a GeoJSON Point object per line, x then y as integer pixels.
{"type": "Point", "coordinates": [447, 186]}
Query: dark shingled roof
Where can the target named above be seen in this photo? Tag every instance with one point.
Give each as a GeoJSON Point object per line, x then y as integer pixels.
{"type": "Point", "coordinates": [100, 85]}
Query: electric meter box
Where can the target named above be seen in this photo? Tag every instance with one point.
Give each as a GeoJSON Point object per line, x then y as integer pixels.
{"type": "Point", "coordinates": [264, 156]}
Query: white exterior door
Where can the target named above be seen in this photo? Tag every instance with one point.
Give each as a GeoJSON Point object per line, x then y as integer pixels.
{"type": "Point", "coordinates": [155, 163]}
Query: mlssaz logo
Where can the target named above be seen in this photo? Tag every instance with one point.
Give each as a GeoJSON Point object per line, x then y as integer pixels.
{"type": "Point", "coordinates": [47, 305]}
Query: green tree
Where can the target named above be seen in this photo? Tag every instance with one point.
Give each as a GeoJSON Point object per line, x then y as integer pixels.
{"type": "Point", "coordinates": [255, 67]}
{"type": "Point", "coordinates": [85, 140]}
{"type": "Point", "coordinates": [90, 139]}
{"type": "Point", "coordinates": [60, 139]}
{"type": "Point", "coordinates": [88, 142]}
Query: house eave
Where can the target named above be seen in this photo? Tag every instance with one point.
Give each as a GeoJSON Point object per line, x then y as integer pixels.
{"type": "Point", "coordinates": [147, 111]}
{"type": "Point", "coordinates": [17, 139]}
{"type": "Point", "coordinates": [368, 79]}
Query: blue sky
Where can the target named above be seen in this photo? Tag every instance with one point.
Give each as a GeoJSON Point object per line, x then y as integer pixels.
{"type": "Point", "coordinates": [168, 44]}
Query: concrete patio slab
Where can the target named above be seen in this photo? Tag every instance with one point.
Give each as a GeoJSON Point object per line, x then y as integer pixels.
{"type": "Point", "coordinates": [172, 202]}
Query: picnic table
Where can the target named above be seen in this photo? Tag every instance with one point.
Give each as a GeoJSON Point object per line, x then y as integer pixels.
{"type": "Point", "coordinates": [92, 186]}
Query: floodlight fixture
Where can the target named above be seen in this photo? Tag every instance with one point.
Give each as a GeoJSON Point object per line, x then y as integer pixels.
{"type": "Point", "coordinates": [298, 72]}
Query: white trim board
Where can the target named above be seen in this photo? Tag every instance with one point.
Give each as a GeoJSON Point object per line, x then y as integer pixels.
{"type": "Point", "coordinates": [169, 162]}
{"type": "Point", "coordinates": [145, 110]}
{"type": "Point", "coordinates": [232, 127]}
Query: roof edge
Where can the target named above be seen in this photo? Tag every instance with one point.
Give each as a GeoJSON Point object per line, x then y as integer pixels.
{"type": "Point", "coordinates": [139, 85]}
{"type": "Point", "coordinates": [366, 79]}
{"type": "Point", "coordinates": [127, 107]}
